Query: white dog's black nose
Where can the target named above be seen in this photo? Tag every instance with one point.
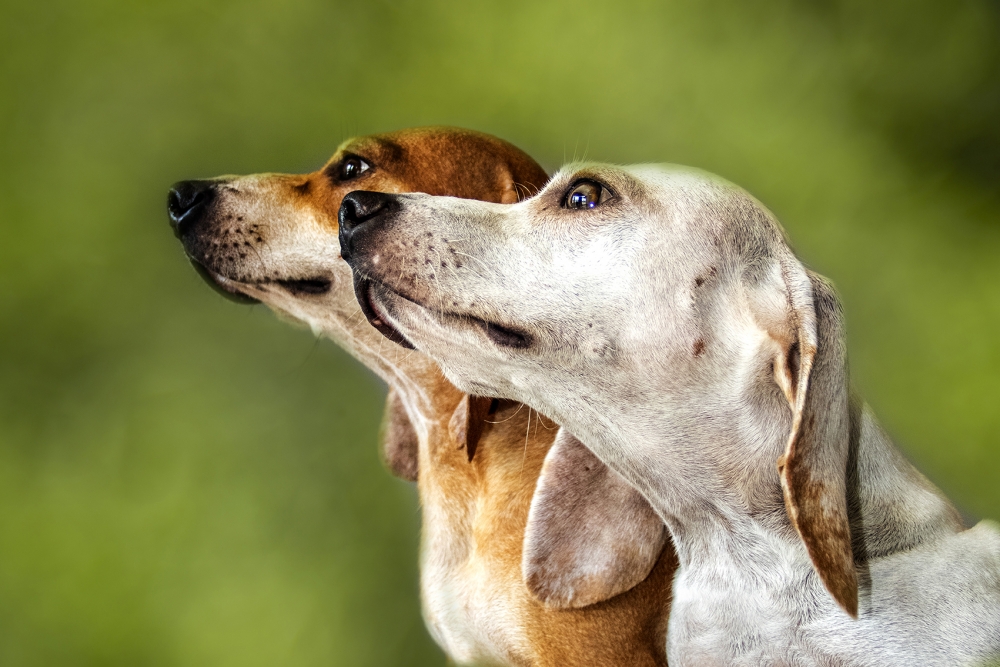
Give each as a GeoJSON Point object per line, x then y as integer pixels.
{"type": "Point", "coordinates": [361, 210]}
{"type": "Point", "coordinates": [186, 203]}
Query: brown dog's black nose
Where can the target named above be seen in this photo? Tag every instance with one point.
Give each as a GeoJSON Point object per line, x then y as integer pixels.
{"type": "Point", "coordinates": [361, 210]}
{"type": "Point", "coordinates": [186, 203]}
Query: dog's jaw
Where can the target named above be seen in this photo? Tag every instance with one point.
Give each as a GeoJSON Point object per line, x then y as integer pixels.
{"type": "Point", "coordinates": [366, 292]}
{"type": "Point", "coordinates": [230, 289]}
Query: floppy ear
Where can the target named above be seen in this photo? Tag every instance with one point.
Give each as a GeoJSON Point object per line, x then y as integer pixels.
{"type": "Point", "coordinates": [590, 536]}
{"type": "Point", "coordinates": [509, 195]}
{"type": "Point", "coordinates": [813, 372]}
{"type": "Point", "coordinates": [520, 179]}
{"type": "Point", "coordinates": [467, 422]}
{"type": "Point", "coordinates": [399, 439]}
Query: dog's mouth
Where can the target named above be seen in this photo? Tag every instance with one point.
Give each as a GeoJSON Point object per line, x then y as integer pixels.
{"type": "Point", "coordinates": [500, 335]}
{"type": "Point", "coordinates": [221, 284]}
{"type": "Point", "coordinates": [363, 288]}
{"type": "Point", "coordinates": [230, 289]}
{"type": "Point", "coordinates": [306, 286]}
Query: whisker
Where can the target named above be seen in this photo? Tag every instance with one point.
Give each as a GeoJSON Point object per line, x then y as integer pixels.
{"type": "Point", "coordinates": [519, 406]}
{"type": "Point", "coordinates": [481, 262]}
{"type": "Point", "coordinates": [524, 456]}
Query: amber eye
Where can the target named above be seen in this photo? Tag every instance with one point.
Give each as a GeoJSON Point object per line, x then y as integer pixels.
{"type": "Point", "coordinates": [352, 167]}
{"type": "Point", "coordinates": [585, 194]}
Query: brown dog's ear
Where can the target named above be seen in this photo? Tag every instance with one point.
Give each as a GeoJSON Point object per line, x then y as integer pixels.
{"type": "Point", "coordinates": [812, 371]}
{"type": "Point", "coordinates": [520, 179]}
{"type": "Point", "coordinates": [510, 194]}
{"type": "Point", "coordinates": [468, 420]}
{"type": "Point", "coordinates": [590, 535]}
{"type": "Point", "coordinates": [399, 439]}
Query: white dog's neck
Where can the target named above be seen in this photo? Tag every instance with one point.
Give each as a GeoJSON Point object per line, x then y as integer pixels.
{"type": "Point", "coordinates": [727, 502]}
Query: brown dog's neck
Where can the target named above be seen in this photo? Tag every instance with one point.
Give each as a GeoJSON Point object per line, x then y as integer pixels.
{"type": "Point", "coordinates": [421, 386]}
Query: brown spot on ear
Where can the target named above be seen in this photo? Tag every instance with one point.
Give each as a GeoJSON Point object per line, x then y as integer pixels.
{"type": "Point", "coordinates": [468, 420]}
{"type": "Point", "coordinates": [699, 347]}
{"type": "Point", "coordinates": [399, 439]}
{"type": "Point", "coordinates": [794, 361]}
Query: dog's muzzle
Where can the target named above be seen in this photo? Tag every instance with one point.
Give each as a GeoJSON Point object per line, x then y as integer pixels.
{"type": "Point", "coordinates": [187, 204]}
{"type": "Point", "coordinates": [361, 216]}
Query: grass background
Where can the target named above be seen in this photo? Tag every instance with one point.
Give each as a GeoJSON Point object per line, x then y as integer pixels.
{"type": "Point", "coordinates": [184, 481]}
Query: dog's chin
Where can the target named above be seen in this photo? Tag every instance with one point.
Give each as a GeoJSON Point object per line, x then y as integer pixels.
{"type": "Point", "coordinates": [221, 284]}
{"type": "Point", "coordinates": [365, 291]}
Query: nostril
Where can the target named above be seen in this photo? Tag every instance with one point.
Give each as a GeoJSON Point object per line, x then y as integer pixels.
{"type": "Point", "coordinates": [186, 200]}
{"type": "Point", "coordinates": [349, 216]}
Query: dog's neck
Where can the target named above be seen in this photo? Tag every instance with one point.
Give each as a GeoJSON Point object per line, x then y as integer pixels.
{"type": "Point", "coordinates": [417, 380]}
{"type": "Point", "coordinates": [713, 499]}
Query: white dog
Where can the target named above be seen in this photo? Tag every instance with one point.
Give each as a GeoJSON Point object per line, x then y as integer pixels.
{"type": "Point", "coordinates": [660, 316]}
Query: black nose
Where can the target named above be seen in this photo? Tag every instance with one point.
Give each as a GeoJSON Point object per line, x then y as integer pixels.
{"type": "Point", "coordinates": [186, 203]}
{"type": "Point", "coordinates": [362, 210]}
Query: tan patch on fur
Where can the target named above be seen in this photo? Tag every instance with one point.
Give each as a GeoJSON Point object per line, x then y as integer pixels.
{"type": "Point", "coordinates": [628, 629]}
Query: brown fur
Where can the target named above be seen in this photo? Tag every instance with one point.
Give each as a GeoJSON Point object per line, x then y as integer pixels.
{"type": "Point", "coordinates": [475, 511]}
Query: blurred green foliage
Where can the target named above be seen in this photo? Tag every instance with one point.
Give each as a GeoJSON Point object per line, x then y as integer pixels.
{"type": "Point", "coordinates": [184, 481]}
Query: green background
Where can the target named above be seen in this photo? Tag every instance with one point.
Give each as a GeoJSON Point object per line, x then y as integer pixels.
{"type": "Point", "coordinates": [185, 481]}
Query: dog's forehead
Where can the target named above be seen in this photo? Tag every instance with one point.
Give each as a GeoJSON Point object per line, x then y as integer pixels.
{"type": "Point", "coordinates": [376, 148]}
{"type": "Point", "coordinates": [648, 183]}
{"type": "Point", "coordinates": [676, 213]}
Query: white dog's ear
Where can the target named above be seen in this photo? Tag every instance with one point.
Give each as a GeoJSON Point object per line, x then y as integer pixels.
{"type": "Point", "coordinates": [399, 439]}
{"type": "Point", "coordinates": [590, 535]}
{"type": "Point", "coordinates": [468, 421]}
{"type": "Point", "coordinates": [812, 370]}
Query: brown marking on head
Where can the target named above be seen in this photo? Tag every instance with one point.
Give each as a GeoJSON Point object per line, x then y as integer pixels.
{"type": "Point", "coordinates": [432, 160]}
{"type": "Point", "coordinates": [278, 211]}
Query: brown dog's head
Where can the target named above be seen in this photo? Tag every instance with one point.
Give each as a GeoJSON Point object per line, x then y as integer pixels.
{"type": "Point", "coordinates": [273, 237]}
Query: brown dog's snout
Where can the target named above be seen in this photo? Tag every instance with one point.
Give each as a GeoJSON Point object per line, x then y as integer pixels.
{"type": "Point", "coordinates": [186, 203]}
{"type": "Point", "coordinates": [362, 210]}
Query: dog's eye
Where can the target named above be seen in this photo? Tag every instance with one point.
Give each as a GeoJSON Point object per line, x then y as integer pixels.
{"type": "Point", "coordinates": [352, 167]}
{"type": "Point", "coordinates": [585, 194]}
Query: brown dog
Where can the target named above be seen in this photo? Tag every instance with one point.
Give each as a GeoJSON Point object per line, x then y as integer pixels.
{"type": "Point", "coordinates": [274, 238]}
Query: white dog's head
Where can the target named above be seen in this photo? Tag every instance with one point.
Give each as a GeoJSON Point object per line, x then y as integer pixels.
{"type": "Point", "coordinates": [656, 312]}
